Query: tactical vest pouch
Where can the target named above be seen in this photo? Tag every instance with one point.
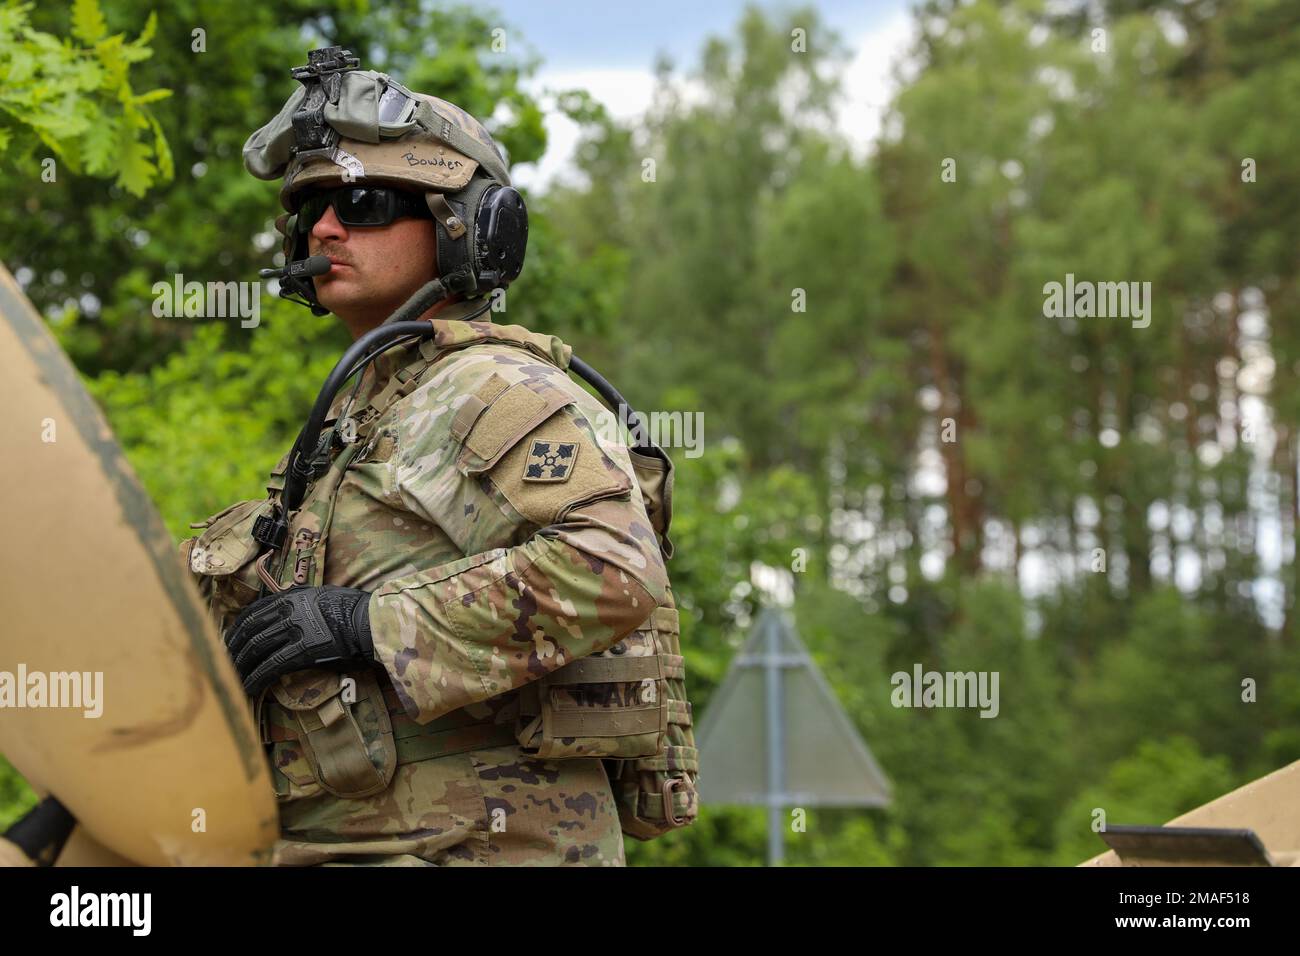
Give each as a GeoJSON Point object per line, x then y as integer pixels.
{"type": "Point", "coordinates": [658, 793]}
{"type": "Point", "coordinates": [347, 746]}
{"type": "Point", "coordinates": [610, 704]}
{"type": "Point", "coordinates": [654, 476]}
{"type": "Point", "coordinates": [224, 555]}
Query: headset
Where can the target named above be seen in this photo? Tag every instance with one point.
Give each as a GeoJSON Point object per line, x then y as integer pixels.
{"type": "Point", "coordinates": [481, 229]}
{"type": "Point", "coordinates": [473, 262]}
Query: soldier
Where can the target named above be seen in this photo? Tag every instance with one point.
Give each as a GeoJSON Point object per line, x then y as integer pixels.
{"type": "Point", "coordinates": [466, 628]}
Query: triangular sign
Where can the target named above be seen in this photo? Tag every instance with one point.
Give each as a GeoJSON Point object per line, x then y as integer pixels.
{"type": "Point", "coordinates": [819, 760]}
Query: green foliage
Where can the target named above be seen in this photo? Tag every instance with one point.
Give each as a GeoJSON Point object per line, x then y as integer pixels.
{"type": "Point", "coordinates": [1168, 677]}
{"type": "Point", "coordinates": [77, 99]}
{"type": "Point", "coordinates": [228, 388]}
{"type": "Point", "coordinates": [16, 798]}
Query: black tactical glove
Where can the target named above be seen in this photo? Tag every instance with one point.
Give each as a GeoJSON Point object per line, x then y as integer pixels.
{"type": "Point", "coordinates": [300, 628]}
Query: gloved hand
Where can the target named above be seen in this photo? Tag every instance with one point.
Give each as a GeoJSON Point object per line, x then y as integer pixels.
{"type": "Point", "coordinates": [300, 628]}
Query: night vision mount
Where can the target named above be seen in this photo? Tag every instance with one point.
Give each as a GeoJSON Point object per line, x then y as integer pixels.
{"type": "Point", "coordinates": [323, 78]}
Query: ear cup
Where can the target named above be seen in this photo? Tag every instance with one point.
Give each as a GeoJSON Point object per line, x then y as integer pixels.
{"type": "Point", "coordinates": [502, 237]}
{"type": "Point", "coordinates": [490, 253]}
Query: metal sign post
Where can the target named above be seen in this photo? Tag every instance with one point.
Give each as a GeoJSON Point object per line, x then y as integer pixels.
{"type": "Point", "coordinates": [775, 750]}
{"type": "Point", "coordinates": [776, 736]}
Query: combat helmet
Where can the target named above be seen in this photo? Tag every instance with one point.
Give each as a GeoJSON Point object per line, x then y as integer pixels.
{"type": "Point", "coordinates": [347, 125]}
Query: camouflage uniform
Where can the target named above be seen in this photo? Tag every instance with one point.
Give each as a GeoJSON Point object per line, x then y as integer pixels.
{"type": "Point", "coordinates": [502, 535]}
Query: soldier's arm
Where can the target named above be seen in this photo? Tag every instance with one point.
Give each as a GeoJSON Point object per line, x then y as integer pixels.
{"type": "Point", "coordinates": [589, 574]}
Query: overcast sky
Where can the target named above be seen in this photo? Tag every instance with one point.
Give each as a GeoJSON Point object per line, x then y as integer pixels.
{"type": "Point", "coordinates": [610, 49]}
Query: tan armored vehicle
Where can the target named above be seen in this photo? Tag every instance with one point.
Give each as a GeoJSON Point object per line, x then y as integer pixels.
{"type": "Point", "coordinates": [116, 694]}
{"type": "Point", "coordinates": [1255, 825]}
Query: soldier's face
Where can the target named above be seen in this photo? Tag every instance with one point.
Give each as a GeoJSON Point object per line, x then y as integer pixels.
{"type": "Point", "coordinates": [376, 268]}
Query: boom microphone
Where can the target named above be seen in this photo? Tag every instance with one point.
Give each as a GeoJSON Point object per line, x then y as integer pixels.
{"type": "Point", "coordinates": [301, 268]}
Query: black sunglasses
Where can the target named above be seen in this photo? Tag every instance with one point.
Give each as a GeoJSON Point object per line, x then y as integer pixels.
{"type": "Point", "coordinates": [361, 206]}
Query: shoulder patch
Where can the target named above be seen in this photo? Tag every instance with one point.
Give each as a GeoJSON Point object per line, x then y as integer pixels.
{"type": "Point", "coordinates": [543, 483]}
{"type": "Point", "coordinates": [530, 439]}
{"type": "Point", "coordinates": [550, 460]}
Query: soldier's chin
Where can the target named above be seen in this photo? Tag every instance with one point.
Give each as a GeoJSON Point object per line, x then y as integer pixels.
{"type": "Point", "coordinates": [337, 294]}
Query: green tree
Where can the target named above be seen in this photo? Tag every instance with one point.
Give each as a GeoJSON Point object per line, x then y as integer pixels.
{"type": "Point", "coordinates": [74, 97]}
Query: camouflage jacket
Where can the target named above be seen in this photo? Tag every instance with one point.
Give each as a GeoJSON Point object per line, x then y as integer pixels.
{"type": "Point", "coordinates": [502, 535]}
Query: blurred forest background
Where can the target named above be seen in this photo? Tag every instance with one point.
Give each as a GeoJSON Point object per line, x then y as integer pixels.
{"type": "Point", "coordinates": [1169, 452]}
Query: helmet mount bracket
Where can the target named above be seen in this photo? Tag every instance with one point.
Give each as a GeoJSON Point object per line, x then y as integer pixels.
{"type": "Point", "coordinates": [323, 78]}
